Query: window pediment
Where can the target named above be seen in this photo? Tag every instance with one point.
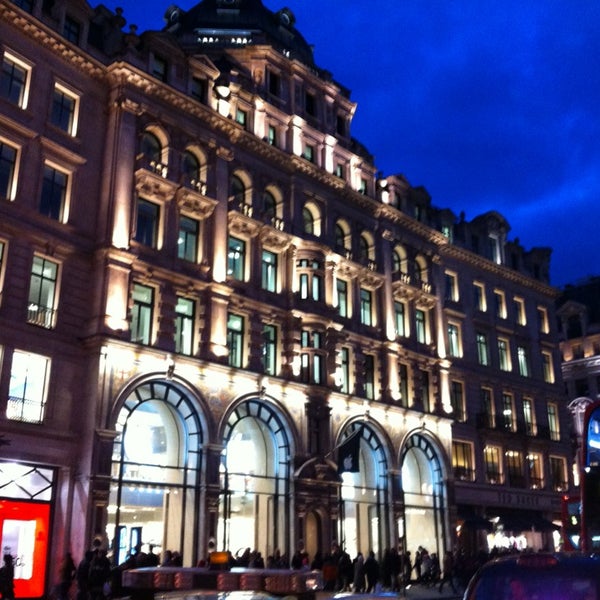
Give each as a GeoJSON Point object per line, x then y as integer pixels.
{"type": "Point", "coordinates": [192, 202]}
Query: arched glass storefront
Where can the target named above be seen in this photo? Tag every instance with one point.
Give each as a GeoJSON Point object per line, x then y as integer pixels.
{"type": "Point", "coordinates": [364, 496]}
{"type": "Point", "coordinates": [254, 510]}
{"type": "Point", "coordinates": [424, 492]}
{"type": "Point", "coordinates": [155, 473]}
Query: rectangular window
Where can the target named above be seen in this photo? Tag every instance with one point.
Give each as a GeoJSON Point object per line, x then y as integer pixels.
{"type": "Point", "coordinates": [500, 300]}
{"type": "Point", "coordinates": [274, 83]}
{"type": "Point", "coordinates": [479, 296]}
{"type": "Point", "coordinates": [184, 326]}
{"type": "Point", "coordinates": [236, 259]}
{"type": "Point", "coordinates": [72, 30]}
{"type": "Point", "coordinates": [523, 360]}
{"type": "Point", "coordinates": [558, 474]}
{"type": "Point", "coordinates": [369, 376]}
{"type": "Point", "coordinates": [148, 219]}
{"type": "Point", "coordinates": [454, 341]}
{"type": "Point", "coordinates": [312, 342]}
{"type": "Point", "coordinates": [14, 80]}
{"type": "Point", "coordinates": [43, 288]}
{"type": "Point", "coordinates": [400, 318]}
{"type": "Point", "coordinates": [488, 418]}
{"type": "Point", "coordinates": [142, 314]}
{"type": "Point", "coordinates": [462, 461]}
{"type": "Point", "coordinates": [553, 423]}
{"type": "Point", "coordinates": [198, 89]}
{"type": "Point", "coordinates": [342, 297]}
{"type": "Point", "coordinates": [529, 416]}
{"type": "Point", "coordinates": [344, 373]}
{"type": "Point", "coordinates": [520, 311]}
{"type": "Point", "coordinates": [483, 353]}
{"type": "Point", "coordinates": [28, 387]}
{"type": "Point", "coordinates": [492, 465]}
{"type": "Point", "coordinates": [159, 67]}
{"type": "Point", "coordinates": [457, 400]}
{"type": "Point", "coordinates": [421, 326]}
{"type": "Point", "coordinates": [544, 326]}
{"type": "Point", "coordinates": [269, 349]}
{"type": "Point", "coordinates": [235, 340]}
{"type": "Point", "coordinates": [241, 117]}
{"type": "Point", "coordinates": [309, 153]}
{"type": "Point", "coordinates": [403, 376]}
{"type": "Point", "coordinates": [547, 367]}
{"type": "Point", "coordinates": [366, 307]}
{"type": "Point", "coordinates": [269, 271]}
{"type": "Point", "coordinates": [425, 397]}
{"type": "Point", "coordinates": [55, 188]}
{"type": "Point", "coordinates": [272, 135]}
{"type": "Point", "coordinates": [504, 355]}
{"type": "Point", "coordinates": [187, 242]}
{"type": "Point", "coordinates": [535, 471]}
{"type": "Point", "coordinates": [451, 291]}
{"type": "Point", "coordinates": [65, 109]}
{"type": "Point", "coordinates": [514, 468]}
{"type": "Point", "coordinates": [310, 104]}
{"type": "Point", "coordinates": [494, 251]}
{"type": "Point", "coordinates": [8, 170]}
{"type": "Point", "coordinates": [508, 413]}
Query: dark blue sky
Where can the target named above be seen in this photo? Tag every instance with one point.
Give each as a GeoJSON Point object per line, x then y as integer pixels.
{"type": "Point", "coordinates": [488, 105]}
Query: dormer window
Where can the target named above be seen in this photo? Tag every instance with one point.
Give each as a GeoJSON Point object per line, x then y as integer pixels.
{"type": "Point", "coordinates": [310, 104]}
{"type": "Point", "coordinates": [274, 83]}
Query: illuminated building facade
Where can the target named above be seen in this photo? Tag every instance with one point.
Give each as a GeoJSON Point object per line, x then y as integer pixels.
{"type": "Point", "coordinates": [207, 287]}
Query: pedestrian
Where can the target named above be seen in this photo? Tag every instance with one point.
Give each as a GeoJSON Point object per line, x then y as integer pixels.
{"type": "Point", "coordinates": [66, 573]}
{"type": "Point", "coordinates": [371, 572]}
{"type": "Point", "coordinates": [448, 572]}
{"type": "Point", "coordinates": [82, 576]}
{"type": "Point", "coordinates": [359, 574]}
{"type": "Point", "coordinates": [7, 578]}
{"type": "Point", "coordinates": [99, 575]}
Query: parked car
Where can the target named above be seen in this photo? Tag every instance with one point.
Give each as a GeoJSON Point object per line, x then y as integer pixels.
{"type": "Point", "coordinates": [537, 576]}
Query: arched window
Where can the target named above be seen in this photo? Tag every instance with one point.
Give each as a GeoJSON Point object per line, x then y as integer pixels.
{"type": "Point", "coordinates": [191, 167]}
{"type": "Point", "coordinates": [269, 207]}
{"type": "Point", "coordinates": [363, 249]}
{"type": "Point", "coordinates": [151, 147]}
{"type": "Point", "coordinates": [308, 221]}
{"type": "Point", "coordinates": [237, 190]}
{"type": "Point", "coordinates": [342, 235]}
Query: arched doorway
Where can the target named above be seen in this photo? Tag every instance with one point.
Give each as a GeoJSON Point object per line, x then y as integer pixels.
{"type": "Point", "coordinates": [424, 496]}
{"type": "Point", "coordinates": [155, 473]}
{"type": "Point", "coordinates": [365, 496]}
{"type": "Point", "coordinates": [254, 505]}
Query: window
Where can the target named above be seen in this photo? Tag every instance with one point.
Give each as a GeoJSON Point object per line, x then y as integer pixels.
{"type": "Point", "coordinates": [504, 354]}
{"type": "Point", "coordinates": [272, 135]}
{"type": "Point", "coordinates": [148, 215]}
{"type": "Point", "coordinates": [55, 188]}
{"type": "Point", "coordinates": [311, 219]}
{"type": "Point", "coordinates": [544, 326]}
{"type": "Point", "coordinates": [529, 416]}
{"type": "Point", "coordinates": [547, 367]}
{"type": "Point", "coordinates": [344, 371]}
{"type": "Point", "coordinates": [236, 259]}
{"type": "Point", "coordinates": [310, 104]}
{"type": "Point", "coordinates": [274, 82]}
{"type": "Point", "coordinates": [198, 89]}
{"type": "Point", "coordinates": [269, 271]}
{"type": "Point", "coordinates": [241, 117]}
{"type": "Point", "coordinates": [462, 461]}
{"type": "Point", "coordinates": [520, 311]}
{"type": "Point", "coordinates": [451, 287]}
{"type": "Point", "coordinates": [424, 390]}
{"type": "Point", "coordinates": [8, 170]}
{"type": "Point", "coordinates": [340, 171]}
{"type": "Point", "coordinates": [494, 249]}
{"type": "Point", "coordinates": [2, 249]}
{"type": "Point", "coordinates": [341, 237]}
{"type": "Point", "coordinates": [479, 296]}
{"type": "Point", "coordinates": [454, 340]}
{"type": "Point", "coordinates": [187, 242]}
{"type": "Point", "coordinates": [72, 30]}
{"type": "Point", "coordinates": [308, 220]}
{"type": "Point", "coordinates": [488, 414]}
{"type": "Point", "coordinates": [159, 67]}
{"type": "Point", "coordinates": [514, 468]}
{"type": "Point", "coordinates": [558, 474]}
{"type": "Point", "coordinates": [421, 326]}
{"type": "Point", "coordinates": [269, 349]}
{"type": "Point", "coordinates": [400, 318]}
{"type": "Point", "coordinates": [28, 387]}
{"type": "Point", "coordinates": [535, 471]}
{"type": "Point", "coordinates": [483, 353]}
{"type": "Point", "coordinates": [500, 300]}
{"type": "Point", "coordinates": [369, 374]}
{"type": "Point", "coordinates": [184, 326]}
{"type": "Point", "coordinates": [310, 279]}
{"type": "Point", "coordinates": [43, 288]}
{"type": "Point", "coordinates": [309, 152]}
{"type": "Point", "coordinates": [523, 361]}
{"type": "Point", "coordinates": [269, 208]}
{"type": "Point", "coordinates": [190, 165]}
{"type": "Point", "coordinates": [457, 400]}
{"type": "Point", "coordinates": [312, 358]}
{"type": "Point", "coordinates": [152, 152]}
{"type": "Point", "coordinates": [142, 314]}
{"type": "Point", "coordinates": [65, 109]}
{"type": "Point", "coordinates": [492, 464]}
{"type": "Point", "coordinates": [553, 423]}
{"type": "Point", "coordinates": [237, 192]}
{"type": "Point", "coordinates": [366, 307]}
{"type": "Point", "coordinates": [508, 413]}
{"type": "Point", "coordinates": [342, 297]}
{"type": "Point", "coordinates": [235, 340]}
{"type": "Point", "coordinates": [403, 384]}
{"type": "Point", "coordinates": [14, 80]}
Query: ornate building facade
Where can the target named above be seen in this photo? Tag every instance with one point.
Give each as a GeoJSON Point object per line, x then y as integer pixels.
{"type": "Point", "coordinates": [207, 287]}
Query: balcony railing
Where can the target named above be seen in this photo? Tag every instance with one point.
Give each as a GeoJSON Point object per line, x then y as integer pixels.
{"type": "Point", "coordinates": [41, 316]}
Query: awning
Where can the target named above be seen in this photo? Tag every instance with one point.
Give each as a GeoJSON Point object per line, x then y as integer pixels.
{"type": "Point", "coordinates": [476, 523]}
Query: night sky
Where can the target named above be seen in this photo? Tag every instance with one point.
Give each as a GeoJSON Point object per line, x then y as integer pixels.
{"type": "Point", "coordinates": [488, 105]}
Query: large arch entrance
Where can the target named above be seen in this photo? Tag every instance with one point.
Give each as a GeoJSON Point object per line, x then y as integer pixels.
{"type": "Point", "coordinates": [155, 473]}
{"type": "Point", "coordinates": [365, 496]}
{"type": "Point", "coordinates": [254, 505]}
{"type": "Point", "coordinates": [425, 493]}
